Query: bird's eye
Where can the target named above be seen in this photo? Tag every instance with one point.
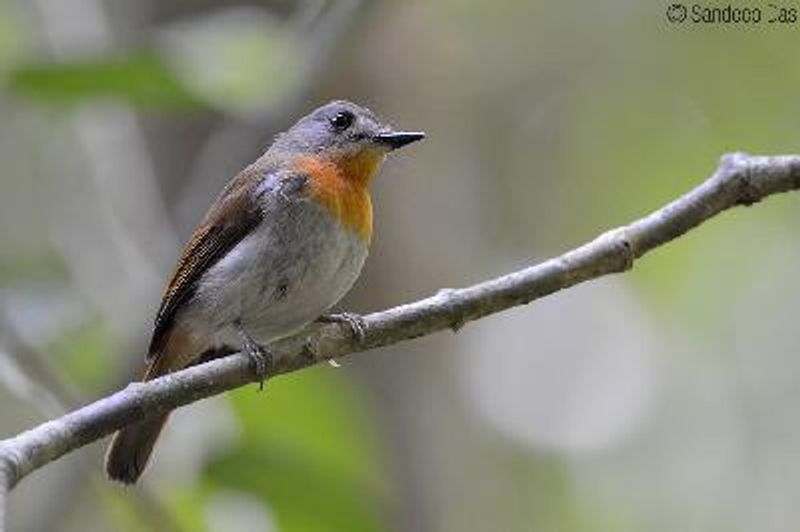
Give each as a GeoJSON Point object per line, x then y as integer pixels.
{"type": "Point", "coordinates": [342, 120]}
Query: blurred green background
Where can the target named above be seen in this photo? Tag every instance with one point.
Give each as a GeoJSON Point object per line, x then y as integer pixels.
{"type": "Point", "coordinates": [662, 400]}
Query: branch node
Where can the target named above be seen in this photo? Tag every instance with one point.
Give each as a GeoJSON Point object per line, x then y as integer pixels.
{"type": "Point", "coordinates": [731, 163]}
{"type": "Point", "coordinates": [620, 241]}
{"type": "Point", "coordinates": [738, 168]}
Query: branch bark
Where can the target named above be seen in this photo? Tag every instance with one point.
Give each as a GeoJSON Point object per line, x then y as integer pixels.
{"type": "Point", "coordinates": [740, 179]}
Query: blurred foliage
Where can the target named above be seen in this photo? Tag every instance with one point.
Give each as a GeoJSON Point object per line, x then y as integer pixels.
{"type": "Point", "coordinates": [122, 511]}
{"type": "Point", "coordinates": [241, 62]}
{"type": "Point", "coordinates": [187, 506]}
{"type": "Point", "coordinates": [9, 38]}
{"type": "Point", "coordinates": [142, 79]}
{"type": "Point", "coordinates": [236, 62]}
{"type": "Point", "coordinates": [83, 354]}
{"type": "Point", "coordinates": [308, 451]}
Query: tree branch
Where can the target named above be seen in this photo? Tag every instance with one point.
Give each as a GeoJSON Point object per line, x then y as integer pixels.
{"type": "Point", "coordinates": [739, 180]}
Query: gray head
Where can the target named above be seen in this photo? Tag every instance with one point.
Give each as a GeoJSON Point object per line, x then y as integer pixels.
{"type": "Point", "coordinates": [342, 128]}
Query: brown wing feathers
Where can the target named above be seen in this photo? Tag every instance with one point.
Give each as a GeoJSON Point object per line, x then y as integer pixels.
{"type": "Point", "coordinates": [232, 216]}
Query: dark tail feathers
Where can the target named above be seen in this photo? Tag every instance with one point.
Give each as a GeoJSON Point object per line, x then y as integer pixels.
{"type": "Point", "coordinates": [130, 449]}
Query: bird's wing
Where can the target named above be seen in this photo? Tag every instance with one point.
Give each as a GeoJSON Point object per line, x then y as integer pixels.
{"type": "Point", "coordinates": [234, 214]}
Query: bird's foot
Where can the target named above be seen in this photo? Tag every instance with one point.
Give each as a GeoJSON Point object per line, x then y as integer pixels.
{"type": "Point", "coordinates": [260, 357]}
{"type": "Point", "coordinates": [262, 360]}
{"type": "Point", "coordinates": [356, 323]}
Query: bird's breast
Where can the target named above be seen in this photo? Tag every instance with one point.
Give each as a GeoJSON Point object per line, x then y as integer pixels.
{"type": "Point", "coordinates": [340, 186]}
{"type": "Point", "coordinates": [291, 269]}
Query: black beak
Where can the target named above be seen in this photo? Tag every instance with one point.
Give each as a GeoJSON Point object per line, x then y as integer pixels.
{"type": "Point", "coordinates": [397, 139]}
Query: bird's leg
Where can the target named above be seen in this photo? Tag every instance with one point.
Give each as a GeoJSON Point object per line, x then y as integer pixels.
{"type": "Point", "coordinates": [356, 323]}
{"type": "Point", "coordinates": [260, 356]}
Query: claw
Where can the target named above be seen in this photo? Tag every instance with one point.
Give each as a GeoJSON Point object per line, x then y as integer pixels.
{"type": "Point", "coordinates": [262, 362]}
{"type": "Point", "coordinates": [260, 357]}
{"type": "Point", "coordinates": [357, 324]}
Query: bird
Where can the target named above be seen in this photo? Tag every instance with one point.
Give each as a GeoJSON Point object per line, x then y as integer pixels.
{"type": "Point", "coordinates": [283, 242]}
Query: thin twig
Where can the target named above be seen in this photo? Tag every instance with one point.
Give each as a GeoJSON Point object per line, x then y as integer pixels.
{"type": "Point", "coordinates": [49, 390]}
{"type": "Point", "coordinates": [739, 180]}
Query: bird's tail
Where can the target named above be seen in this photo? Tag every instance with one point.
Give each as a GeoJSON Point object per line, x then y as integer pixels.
{"type": "Point", "coordinates": [131, 447]}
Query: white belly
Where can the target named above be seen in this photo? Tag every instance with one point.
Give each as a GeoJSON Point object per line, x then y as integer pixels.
{"type": "Point", "coordinates": [294, 267]}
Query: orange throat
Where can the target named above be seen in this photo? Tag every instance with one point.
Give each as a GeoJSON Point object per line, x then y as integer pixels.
{"type": "Point", "coordinates": [340, 184]}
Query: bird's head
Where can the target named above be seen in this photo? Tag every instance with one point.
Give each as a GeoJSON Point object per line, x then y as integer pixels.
{"type": "Point", "coordinates": [347, 135]}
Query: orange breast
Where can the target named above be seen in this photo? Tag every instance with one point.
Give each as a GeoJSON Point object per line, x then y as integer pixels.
{"type": "Point", "coordinates": [341, 187]}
